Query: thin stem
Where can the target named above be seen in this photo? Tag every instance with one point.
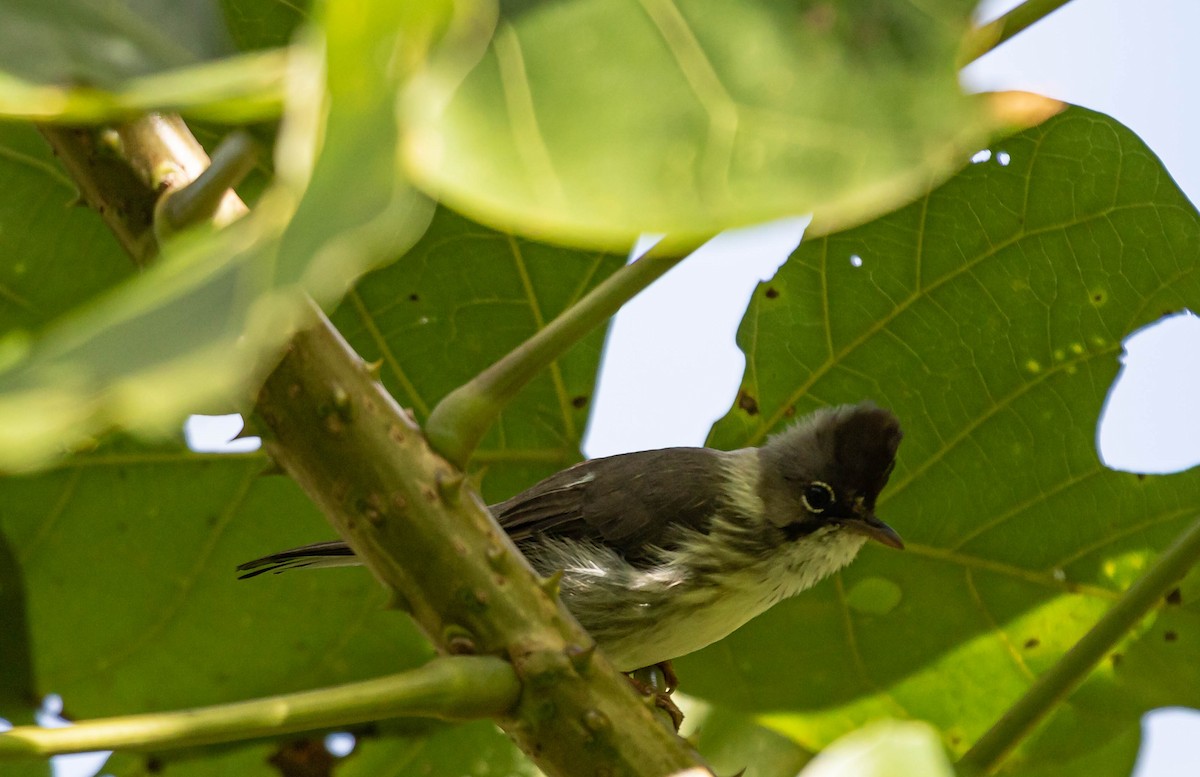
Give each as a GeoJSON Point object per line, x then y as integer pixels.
{"type": "Point", "coordinates": [981, 40]}
{"type": "Point", "coordinates": [455, 688]}
{"type": "Point", "coordinates": [1060, 680]}
{"type": "Point", "coordinates": [459, 421]}
{"type": "Point", "coordinates": [204, 197]}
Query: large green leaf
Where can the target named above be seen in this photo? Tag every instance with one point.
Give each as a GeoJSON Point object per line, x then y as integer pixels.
{"type": "Point", "coordinates": [989, 315]}
{"type": "Point", "coordinates": [135, 546]}
{"type": "Point", "coordinates": [591, 121]}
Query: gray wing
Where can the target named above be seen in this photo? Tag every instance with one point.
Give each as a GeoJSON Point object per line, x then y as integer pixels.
{"type": "Point", "coordinates": [625, 502]}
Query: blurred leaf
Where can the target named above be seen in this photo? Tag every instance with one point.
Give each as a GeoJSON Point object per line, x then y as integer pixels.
{"type": "Point", "coordinates": [734, 743]}
{"type": "Point", "coordinates": [199, 327]}
{"type": "Point", "coordinates": [247, 87]}
{"type": "Point", "coordinates": [102, 44]}
{"type": "Point", "coordinates": [692, 117]}
{"type": "Point", "coordinates": [884, 749]}
{"type": "Point", "coordinates": [79, 61]}
{"type": "Point", "coordinates": [989, 315]}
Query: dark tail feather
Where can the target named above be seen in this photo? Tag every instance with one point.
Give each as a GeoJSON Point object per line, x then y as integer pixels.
{"type": "Point", "coordinates": [320, 554]}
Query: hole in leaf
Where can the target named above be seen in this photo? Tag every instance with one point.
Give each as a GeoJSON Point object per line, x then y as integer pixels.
{"type": "Point", "coordinates": [217, 434]}
{"type": "Point", "coordinates": [1151, 421]}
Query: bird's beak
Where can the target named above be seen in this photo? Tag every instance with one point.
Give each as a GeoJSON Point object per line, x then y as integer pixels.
{"type": "Point", "coordinates": [875, 529]}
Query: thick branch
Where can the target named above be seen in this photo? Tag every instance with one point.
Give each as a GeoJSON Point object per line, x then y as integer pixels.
{"type": "Point", "coordinates": [1052, 687]}
{"type": "Point", "coordinates": [453, 688]}
{"type": "Point", "coordinates": [427, 536]}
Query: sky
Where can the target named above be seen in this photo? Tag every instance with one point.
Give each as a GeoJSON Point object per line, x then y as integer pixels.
{"type": "Point", "coordinates": [671, 366]}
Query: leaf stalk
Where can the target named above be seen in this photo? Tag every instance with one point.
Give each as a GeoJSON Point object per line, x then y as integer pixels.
{"type": "Point", "coordinates": [458, 423]}
{"type": "Point", "coordinates": [454, 688]}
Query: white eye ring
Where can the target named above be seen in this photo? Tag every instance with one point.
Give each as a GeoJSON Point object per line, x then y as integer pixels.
{"type": "Point", "coordinates": [818, 497]}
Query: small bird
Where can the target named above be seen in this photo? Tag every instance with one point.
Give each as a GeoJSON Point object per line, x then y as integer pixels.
{"type": "Point", "coordinates": [664, 552]}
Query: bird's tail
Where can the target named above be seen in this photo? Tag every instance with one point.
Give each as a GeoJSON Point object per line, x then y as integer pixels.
{"type": "Point", "coordinates": [320, 554]}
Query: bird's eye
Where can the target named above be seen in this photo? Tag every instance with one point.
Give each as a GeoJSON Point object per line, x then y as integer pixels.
{"type": "Point", "coordinates": [818, 496]}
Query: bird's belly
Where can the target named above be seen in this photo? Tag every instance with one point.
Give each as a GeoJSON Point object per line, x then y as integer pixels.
{"type": "Point", "coordinates": [642, 617]}
{"type": "Point", "coordinates": [687, 622]}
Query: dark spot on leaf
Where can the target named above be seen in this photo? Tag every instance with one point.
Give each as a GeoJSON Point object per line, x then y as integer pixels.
{"type": "Point", "coordinates": [1175, 597]}
{"type": "Point", "coordinates": [303, 758]}
{"type": "Point", "coordinates": [955, 740]}
{"type": "Point", "coordinates": [1116, 659]}
{"type": "Point", "coordinates": [747, 403]}
{"type": "Point", "coordinates": [772, 292]}
{"type": "Point", "coordinates": [1170, 636]}
{"type": "Point", "coordinates": [1099, 297]}
{"type": "Point", "coordinates": [579, 402]}
{"type": "Point", "coordinates": [414, 297]}
{"type": "Point", "coordinates": [791, 411]}
{"type": "Point", "coordinates": [1032, 642]}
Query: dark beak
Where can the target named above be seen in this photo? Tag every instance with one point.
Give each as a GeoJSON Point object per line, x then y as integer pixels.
{"type": "Point", "coordinates": [875, 529]}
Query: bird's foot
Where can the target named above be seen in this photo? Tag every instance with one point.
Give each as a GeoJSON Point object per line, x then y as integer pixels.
{"type": "Point", "coordinates": [658, 682]}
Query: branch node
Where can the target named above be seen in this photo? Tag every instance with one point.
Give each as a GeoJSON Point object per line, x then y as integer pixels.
{"type": "Point", "coordinates": [581, 656]}
{"type": "Point", "coordinates": [551, 585]}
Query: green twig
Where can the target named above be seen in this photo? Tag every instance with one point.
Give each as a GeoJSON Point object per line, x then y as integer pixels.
{"type": "Point", "coordinates": [1060, 680]}
{"type": "Point", "coordinates": [454, 688]}
{"type": "Point", "coordinates": [203, 198]}
{"type": "Point", "coordinates": [981, 40]}
{"type": "Point", "coordinates": [459, 421]}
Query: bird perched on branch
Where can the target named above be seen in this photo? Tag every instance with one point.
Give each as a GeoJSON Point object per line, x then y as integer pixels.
{"type": "Point", "coordinates": [664, 552]}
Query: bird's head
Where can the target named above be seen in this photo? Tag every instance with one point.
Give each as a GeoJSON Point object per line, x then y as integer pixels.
{"type": "Point", "coordinates": [827, 471]}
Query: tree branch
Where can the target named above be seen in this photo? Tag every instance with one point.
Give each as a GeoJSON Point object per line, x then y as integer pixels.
{"type": "Point", "coordinates": [453, 688]}
{"type": "Point", "coordinates": [1052, 687]}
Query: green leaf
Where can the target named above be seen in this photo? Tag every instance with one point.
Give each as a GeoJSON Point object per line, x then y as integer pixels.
{"type": "Point", "coordinates": [884, 749]}
{"type": "Point", "coordinates": [39, 226]}
{"type": "Point", "coordinates": [687, 118]}
{"type": "Point", "coordinates": [735, 743]}
{"type": "Point", "coordinates": [136, 548]}
{"type": "Point", "coordinates": [989, 316]}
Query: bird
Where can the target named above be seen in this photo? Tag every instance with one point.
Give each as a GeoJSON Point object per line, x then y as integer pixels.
{"type": "Point", "coordinates": [664, 552]}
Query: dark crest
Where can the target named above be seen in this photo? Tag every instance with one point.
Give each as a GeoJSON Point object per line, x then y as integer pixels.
{"type": "Point", "coordinates": [864, 449]}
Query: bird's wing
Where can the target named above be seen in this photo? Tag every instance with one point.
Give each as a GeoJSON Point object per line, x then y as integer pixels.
{"type": "Point", "coordinates": [626, 502]}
